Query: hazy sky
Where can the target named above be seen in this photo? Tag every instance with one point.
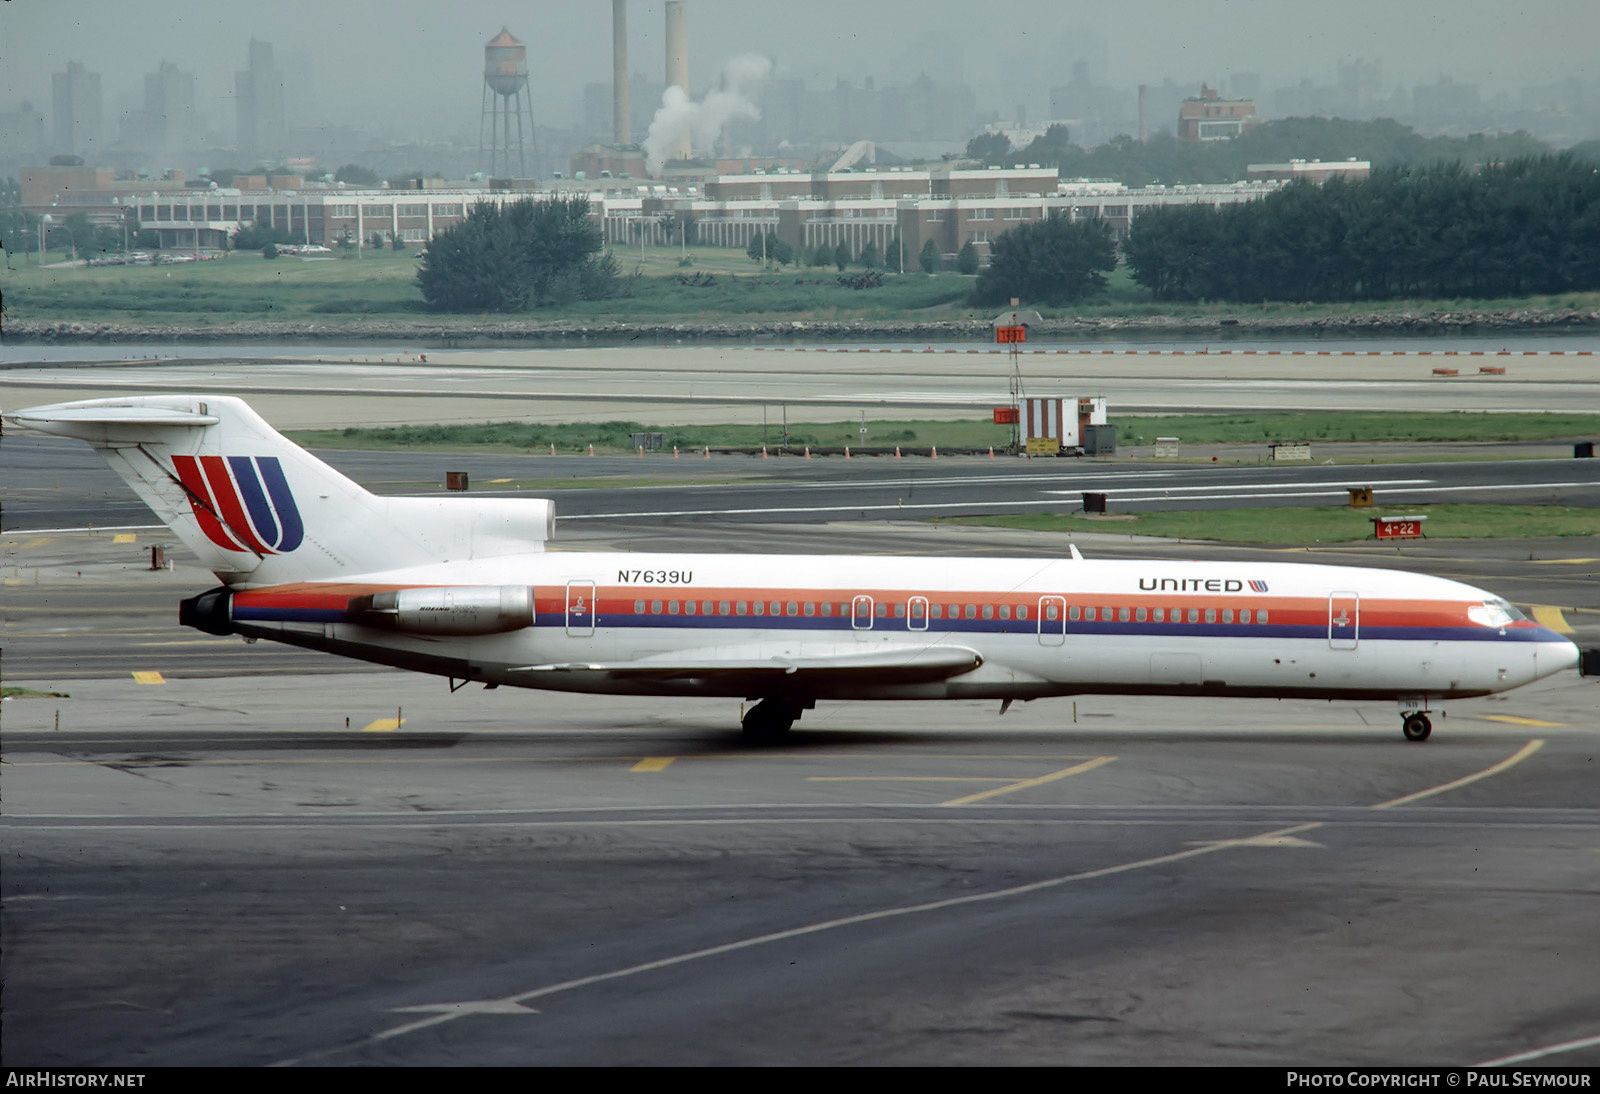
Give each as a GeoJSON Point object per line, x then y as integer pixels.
{"type": "Point", "coordinates": [413, 68]}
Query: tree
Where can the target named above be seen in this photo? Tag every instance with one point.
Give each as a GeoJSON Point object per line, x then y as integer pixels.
{"type": "Point", "coordinates": [841, 255]}
{"type": "Point", "coordinates": [526, 253]}
{"type": "Point", "coordinates": [252, 237]}
{"type": "Point", "coordinates": [869, 256]}
{"type": "Point", "coordinates": [894, 255]}
{"type": "Point", "coordinates": [1052, 261]}
{"type": "Point", "coordinates": [967, 258]}
{"type": "Point", "coordinates": [395, 242]}
{"type": "Point", "coordinates": [757, 250]}
{"type": "Point", "coordinates": [779, 251]}
{"type": "Point", "coordinates": [680, 227]}
{"type": "Point", "coordinates": [353, 174]}
{"type": "Point", "coordinates": [989, 148]}
{"type": "Point", "coordinates": [269, 251]}
{"type": "Point", "coordinates": [930, 257]}
{"type": "Point", "coordinates": [822, 256]}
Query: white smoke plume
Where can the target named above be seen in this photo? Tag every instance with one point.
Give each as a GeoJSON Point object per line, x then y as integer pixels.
{"type": "Point", "coordinates": [733, 97]}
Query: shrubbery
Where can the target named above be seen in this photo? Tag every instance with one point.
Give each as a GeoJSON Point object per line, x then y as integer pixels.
{"type": "Point", "coordinates": [520, 255]}
{"type": "Point", "coordinates": [1050, 261]}
{"type": "Point", "coordinates": [1528, 226]}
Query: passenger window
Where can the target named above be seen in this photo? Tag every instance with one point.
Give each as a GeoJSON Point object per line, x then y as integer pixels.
{"type": "Point", "coordinates": [827, 608]}
{"type": "Point", "coordinates": [936, 612]}
{"type": "Point", "coordinates": [1022, 611]}
{"type": "Point", "coordinates": [743, 608]}
{"type": "Point", "coordinates": [1159, 614]}
{"type": "Point", "coordinates": [1050, 612]}
{"type": "Point", "coordinates": [758, 607]}
{"type": "Point", "coordinates": [1005, 611]}
{"type": "Point", "coordinates": [883, 610]}
{"type": "Point", "coordinates": [1088, 614]}
{"type": "Point", "coordinates": [1194, 615]}
{"type": "Point", "coordinates": [672, 607]}
{"type": "Point", "coordinates": [1122, 615]}
{"type": "Point", "coordinates": [1211, 615]}
{"type": "Point", "coordinates": [688, 607]}
{"type": "Point", "coordinates": [1073, 613]}
{"type": "Point", "coordinates": [777, 607]}
{"type": "Point", "coordinates": [988, 611]}
{"type": "Point", "coordinates": [970, 611]}
{"type": "Point", "coordinates": [955, 611]}
{"type": "Point", "coordinates": [655, 607]}
{"type": "Point", "coordinates": [811, 607]}
{"type": "Point", "coordinates": [1227, 615]}
{"type": "Point", "coordinates": [722, 608]}
{"type": "Point", "coordinates": [1261, 616]}
{"type": "Point", "coordinates": [706, 607]}
{"type": "Point", "coordinates": [793, 608]}
{"type": "Point", "coordinates": [1244, 615]}
{"type": "Point", "coordinates": [1139, 616]}
{"type": "Point", "coordinates": [638, 607]}
{"type": "Point", "coordinates": [899, 611]}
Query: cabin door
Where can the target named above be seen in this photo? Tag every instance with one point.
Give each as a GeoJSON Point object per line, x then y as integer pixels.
{"type": "Point", "coordinates": [1052, 620]}
{"type": "Point", "coordinates": [861, 615]}
{"type": "Point", "coordinates": [580, 609]}
{"type": "Point", "coordinates": [1344, 620]}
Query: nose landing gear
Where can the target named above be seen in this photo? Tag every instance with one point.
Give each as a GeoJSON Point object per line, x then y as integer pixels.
{"type": "Point", "coordinates": [1417, 726]}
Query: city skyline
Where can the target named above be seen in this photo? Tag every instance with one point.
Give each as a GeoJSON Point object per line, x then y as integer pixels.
{"type": "Point", "coordinates": [396, 70]}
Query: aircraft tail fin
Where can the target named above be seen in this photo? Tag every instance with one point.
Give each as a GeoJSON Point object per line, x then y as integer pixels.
{"type": "Point", "coordinates": [257, 509]}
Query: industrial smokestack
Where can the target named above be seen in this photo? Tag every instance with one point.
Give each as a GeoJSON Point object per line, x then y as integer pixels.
{"type": "Point", "coordinates": [621, 124]}
{"type": "Point", "coordinates": [678, 66]}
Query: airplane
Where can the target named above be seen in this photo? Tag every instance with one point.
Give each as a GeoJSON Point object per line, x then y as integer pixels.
{"type": "Point", "coordinates": [463, 588]}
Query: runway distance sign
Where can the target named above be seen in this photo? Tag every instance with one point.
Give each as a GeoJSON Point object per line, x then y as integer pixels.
{"type": "Point", "coordinates": [1408, 527]}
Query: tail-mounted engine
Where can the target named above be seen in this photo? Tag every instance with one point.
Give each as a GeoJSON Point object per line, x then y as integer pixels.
{"type": "Point", "coordinates": [471, 609]}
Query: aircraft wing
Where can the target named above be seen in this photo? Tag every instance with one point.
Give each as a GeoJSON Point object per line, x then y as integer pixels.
{"type": "Point", "coordinates": [794, 664]}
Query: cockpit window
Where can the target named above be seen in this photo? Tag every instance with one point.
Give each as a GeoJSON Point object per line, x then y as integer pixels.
{"type": "Point", "coordinates": [1494, 612]}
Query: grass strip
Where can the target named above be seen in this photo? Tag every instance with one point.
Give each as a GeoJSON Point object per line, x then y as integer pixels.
{"type": "Point", "coordinates": [1370, 426]}
{"type": "Point", "coordinates": [718, 285]}
{"type": "Point", "coordinates": [1293, 526]}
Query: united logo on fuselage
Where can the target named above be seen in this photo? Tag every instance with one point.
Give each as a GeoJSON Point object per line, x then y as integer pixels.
{"type": "Point", "coordinates": [242, 503]}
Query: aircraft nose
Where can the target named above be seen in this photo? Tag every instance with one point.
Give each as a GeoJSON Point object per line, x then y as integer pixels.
{"type": "Point", "coordinates": [1554, 657]}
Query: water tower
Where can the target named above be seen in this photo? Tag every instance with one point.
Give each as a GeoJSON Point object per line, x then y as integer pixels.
{"type": "Point", "coordinates": [507, 108]}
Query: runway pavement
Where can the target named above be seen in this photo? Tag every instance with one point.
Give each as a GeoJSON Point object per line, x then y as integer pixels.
{"type": "Point", "coordinates": [696, 384]}
{"type": "Point", "coordinates": [53, 482]}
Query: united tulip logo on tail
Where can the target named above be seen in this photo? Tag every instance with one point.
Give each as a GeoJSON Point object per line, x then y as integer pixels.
{"type": "Point", "coordinates": [243, 503]}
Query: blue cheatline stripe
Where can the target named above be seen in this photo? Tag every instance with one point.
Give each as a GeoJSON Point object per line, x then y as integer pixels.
{"type": "Point", "coordinates": [265, 614]}
{"type": "Point", "coordinates": [244, 473]}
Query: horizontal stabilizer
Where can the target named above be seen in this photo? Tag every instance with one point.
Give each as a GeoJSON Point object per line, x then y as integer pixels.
{"type": "Point", "coordinates": [105, 422]}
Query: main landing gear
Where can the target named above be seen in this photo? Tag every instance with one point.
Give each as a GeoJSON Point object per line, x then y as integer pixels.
{"type": "Point", "coordinates": [1416, 725]}
{"type": "Point", "coordinates": [770, 719]}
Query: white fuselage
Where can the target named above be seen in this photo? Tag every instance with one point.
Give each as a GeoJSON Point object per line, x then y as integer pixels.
{"type": "Point", "coordinates": [643, 624]}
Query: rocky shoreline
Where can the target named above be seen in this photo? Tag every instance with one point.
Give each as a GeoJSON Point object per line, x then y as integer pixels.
{"type": "Point", "coordinates": [477, 329]}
